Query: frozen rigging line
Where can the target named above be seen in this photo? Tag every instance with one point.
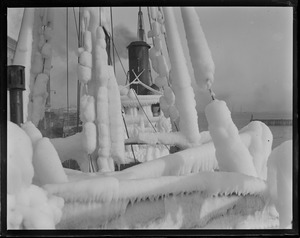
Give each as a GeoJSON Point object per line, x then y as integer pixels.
{"type": "Point", "coordinates": [119, 57]}
{"type": "Point", "coordinates": [128, 137]}
{"type": "Point", "coordinates": [112, 37]}
{"type": "Point", "coordinates": [76, 24]}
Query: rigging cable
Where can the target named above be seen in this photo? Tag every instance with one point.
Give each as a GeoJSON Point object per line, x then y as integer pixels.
{"type": "Point", "coordinates": [112, 37]}
{"type": "Point", "coordinates": [119, 57]}
{"type": "Point", "coordinates": [67, 45]}
{"type": "Point", "coordinates": [76, 24]}
{"type": "Point", "coordinates": [78, 82]}
{"type": "Point", "coordinates": [128, 137]}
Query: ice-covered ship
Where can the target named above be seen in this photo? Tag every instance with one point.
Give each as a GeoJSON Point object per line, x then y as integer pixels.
{"type": "Point", "coordinates": [221, 178]}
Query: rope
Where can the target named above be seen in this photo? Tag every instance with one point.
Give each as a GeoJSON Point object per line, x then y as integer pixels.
{"type": "Point", "coordinates": [148, 10]}
{"type": "Point", "coordinates": [100, 20]}
{"type": "Point", "coordinates": [112, 36]}
{"type": "Point", "coordinates": [78, 82]}
{"type": "Point", "coordinates": [140, 82]}
{"type": "Point", "coordinates": [136, 78]}
{"type": "Point", "coordinates": [119, 57]}
{"type": "Point", "coordinates": [67, 45]}
{"type": "Point", "coordinates": [76, 24]}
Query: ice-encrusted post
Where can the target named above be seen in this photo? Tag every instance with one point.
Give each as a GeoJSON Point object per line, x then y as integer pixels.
{"type": "Point", "coordinates": [181, 81]}
{"type": "Point", "coordinates": [23, 53]}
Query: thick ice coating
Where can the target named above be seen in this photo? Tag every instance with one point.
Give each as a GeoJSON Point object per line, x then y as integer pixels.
{"type": "Point", "coordinates": [181, 81]}
{"type": "Point", "coordinates": [40, 86]}
{"type": "Point", "coordinates": [32, 132]}
{"type": "Point", "coordinates": [116, 122]}
{"type": "Point", "coordinates": [19, 159]}
{"type": "Point", "coordinates": [280, 182]}
{"type": "Point", "coordinates": [231, 153]}
{"type": "Point", "coordinates": [203, 65]}
{"type": "Point", "coordinates": [85, 59]}
{"type": "Point", "coordinates": [84, 73]}
{"type": "Point", "coordinates": [89, 137]}
{"type": "Point", "coordinates": [47, 166]}
{"type": "Point", "coordinates": [87, 108]}
{"type": "Point", "coordinates": [87, 41]}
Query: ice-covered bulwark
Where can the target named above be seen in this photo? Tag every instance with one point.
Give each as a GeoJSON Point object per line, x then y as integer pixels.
{"type": "Point", "coordinates": [203, 65]}
{"type": "Point", "coordinates": [108, 202]}
{"type": "Point", "coordinates": [280, 182]}
{"type": "Point", "coordinates": [181, 81]}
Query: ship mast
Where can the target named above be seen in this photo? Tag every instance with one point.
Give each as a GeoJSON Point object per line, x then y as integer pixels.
{"type": "Point", "coordinates": [140, 28]}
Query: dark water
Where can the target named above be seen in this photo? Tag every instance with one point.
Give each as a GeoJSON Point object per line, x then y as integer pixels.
{"type": "Point", "coordinates": [280, 133]}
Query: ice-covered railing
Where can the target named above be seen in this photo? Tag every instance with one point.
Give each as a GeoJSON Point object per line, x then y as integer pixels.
{"type": "Point", "coordinates": [101, 202]}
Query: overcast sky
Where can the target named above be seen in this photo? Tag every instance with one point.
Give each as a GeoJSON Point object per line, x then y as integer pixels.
{"type": "Point", "coordinates": [251, 48]}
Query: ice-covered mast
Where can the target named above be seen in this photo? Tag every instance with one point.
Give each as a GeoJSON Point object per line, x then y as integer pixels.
{"type": "Point", "coordinates": [181, 81]}
{"type": "Point", "coordinates": [202, 62]}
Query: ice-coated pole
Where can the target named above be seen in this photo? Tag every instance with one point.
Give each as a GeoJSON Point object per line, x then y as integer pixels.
{"type": "Point", "coordinates": [16, 86]}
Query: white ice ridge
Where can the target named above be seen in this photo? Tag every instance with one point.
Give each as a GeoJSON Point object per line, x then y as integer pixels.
{"type": "Point", "coordinates": [181, 81]}
{"type": "Point", "coordinates": [144, 100]}
{"type": "Point", "coordinates": [203, 65]}
{"type": "Point", "coordinates": [174, 138]}
{"type": "Point", "coordinates": [108, 189]}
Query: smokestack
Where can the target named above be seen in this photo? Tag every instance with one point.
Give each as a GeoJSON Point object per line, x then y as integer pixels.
{"type": "Point", "coordinates": [138, 54]}
{"type": "Point", "coordinates": [16, 84]}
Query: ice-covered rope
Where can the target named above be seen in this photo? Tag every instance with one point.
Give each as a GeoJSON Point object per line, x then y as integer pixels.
{"type": "Point", "coordinates": [67, 45]}
{"type": "Point", "coordinates": [148, 10]}
{"type": "Point", "coordinates": [133, 82]}
{"type": "Point", "coordinates": [112, 37]}
{"type": "Point", "coordinates": [118, 56]}
{"type": "Point", "coordinates": [76, 23]}
{"type": "Point", "coordinates": [138, 81]}
{"type": "Point", "coordinates": [99, 9]}
{"type": "Point", "coordinates": [212, 94]}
